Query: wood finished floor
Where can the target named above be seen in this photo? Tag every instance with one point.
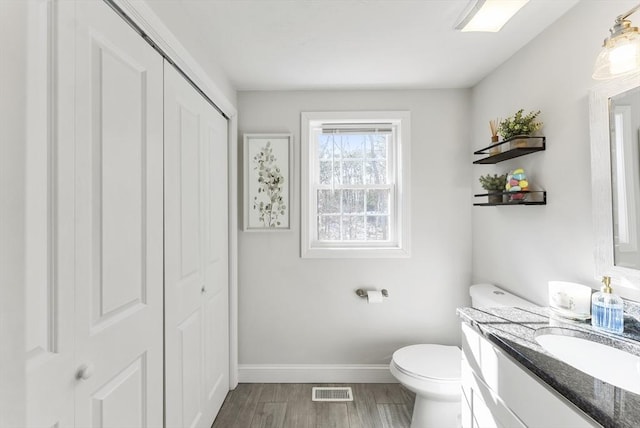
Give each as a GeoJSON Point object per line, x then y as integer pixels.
{"type": "Point", "coordinates": [289, 405]}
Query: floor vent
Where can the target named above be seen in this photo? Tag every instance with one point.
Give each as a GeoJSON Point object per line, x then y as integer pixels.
{"type": "Point", "coordinates": [331, 393]}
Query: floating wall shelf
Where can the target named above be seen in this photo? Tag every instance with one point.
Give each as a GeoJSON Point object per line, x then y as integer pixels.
{"type": "Point", "coordinates": [531, 197]}
{"type": "Point", "coordinates": [507, 149]}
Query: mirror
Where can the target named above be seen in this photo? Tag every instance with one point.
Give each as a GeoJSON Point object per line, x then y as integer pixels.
{"type": "Point", "coordinates": [615, 168]}
{"type": "Point", "coordinates": [624, 124]}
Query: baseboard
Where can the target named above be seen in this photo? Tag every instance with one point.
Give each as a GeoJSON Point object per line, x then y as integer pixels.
{"type": "Point", "coordinates": [315, 373]}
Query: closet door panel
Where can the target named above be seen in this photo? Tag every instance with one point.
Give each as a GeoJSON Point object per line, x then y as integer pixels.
{"type": "Point", "coordinates": [120, 402]}
{"type": "Point", "coordinates": [216, 297]}
{"type": "Point", "coordinates": [119, 184]}
{"type": "Point", "coordinates": [189, 192]}
{"type": "Point", "coordinates": [196, 310]}
{"type": "Point", "coordinates": [190, 331]}
{"type": "Point", "coordinates": [183, 272]}
{"type": "Point", "coordinates": [119, 229]}
{"type": "Point", "coordinates": [190, 282]}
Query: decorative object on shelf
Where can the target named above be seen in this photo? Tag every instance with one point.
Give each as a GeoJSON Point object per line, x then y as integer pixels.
{"type": "Point", "coordinates": [516, 184]}
{"type": "Point", "coordinates": [493, 125]}
{"type": "Point", "coordinates": [620, 54]}
{"type": "Point", "coordinates": [494, 184]}
{"type": "Point", "coordinates": [266, 181]}
{"type": "Point", "coordinates": [519, 125]}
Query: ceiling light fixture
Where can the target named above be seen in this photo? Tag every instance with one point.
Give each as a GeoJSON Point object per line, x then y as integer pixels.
{"type": "Point", "coordinates": [489, 15]}
{"type": "Point", "coordinates": [620, 54]}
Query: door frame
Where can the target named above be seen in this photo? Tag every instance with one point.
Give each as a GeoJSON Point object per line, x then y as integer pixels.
{"type": "Point", "coordinates": [140, 15]}
{"type": "Point", "coordinates": [14, 20]}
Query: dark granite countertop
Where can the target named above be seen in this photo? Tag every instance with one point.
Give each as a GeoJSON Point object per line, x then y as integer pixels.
{"type": "Point", "coordinates": [513, 330]}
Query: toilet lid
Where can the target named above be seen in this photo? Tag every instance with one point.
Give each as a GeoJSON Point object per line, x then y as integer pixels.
{"type": "Point", "coordinates": [430, 361]}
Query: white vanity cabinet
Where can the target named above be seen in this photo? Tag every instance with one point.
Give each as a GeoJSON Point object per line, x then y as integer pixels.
{"type": "Point", "coordinates": [498, 392]}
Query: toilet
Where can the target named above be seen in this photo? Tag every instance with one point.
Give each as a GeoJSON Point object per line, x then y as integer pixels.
{"type": "Point", "coordinates": [432, 371]}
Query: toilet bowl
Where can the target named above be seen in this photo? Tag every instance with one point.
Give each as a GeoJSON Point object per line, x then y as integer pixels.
{"type": "Point", "coordinates": [432, 371]}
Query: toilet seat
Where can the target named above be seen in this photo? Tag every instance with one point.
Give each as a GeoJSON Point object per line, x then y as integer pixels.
{"type": "Point", "coordinates": [430, 362]}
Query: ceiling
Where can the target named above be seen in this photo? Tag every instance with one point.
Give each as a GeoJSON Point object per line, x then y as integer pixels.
{"type": "Point", "coordinates": [347, 44]}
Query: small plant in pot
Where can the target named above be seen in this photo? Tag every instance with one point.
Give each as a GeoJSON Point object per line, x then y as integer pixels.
{"type": "Point", "coordinates": [494, 185]}
{"type": "Point", "coordinates": [519, 125]}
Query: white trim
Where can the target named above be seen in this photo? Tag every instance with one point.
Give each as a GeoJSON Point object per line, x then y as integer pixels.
{"type": "Point", "coordinates": [316, 373]}
{"type": "Point", "coordinates": [601, 182]}
{"type": "Point", "coordinates": [14, 31]}
{"type": "Point", "coordinates": [402, 245]}
{"type": "Point", "coordinates": [233, 251]}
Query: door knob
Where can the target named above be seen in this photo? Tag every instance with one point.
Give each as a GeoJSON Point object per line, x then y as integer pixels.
{"type": "Point", "coordinates": [85, 371]}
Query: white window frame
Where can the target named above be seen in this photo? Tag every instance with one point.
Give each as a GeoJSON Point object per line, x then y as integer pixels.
{"type": "Point", "coordinates": [399, 244]}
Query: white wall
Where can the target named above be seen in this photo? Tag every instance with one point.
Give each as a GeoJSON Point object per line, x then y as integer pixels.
{"type": "Point", "coordinates": [295, 310]}
{"type": "Point", "coordinates": [13, 24]}
{"type": "Point", "coordinates": [521, 248]}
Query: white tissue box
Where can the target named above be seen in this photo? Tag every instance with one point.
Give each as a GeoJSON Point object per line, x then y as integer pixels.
{"type": "Point", "coordinates": [570, 300]}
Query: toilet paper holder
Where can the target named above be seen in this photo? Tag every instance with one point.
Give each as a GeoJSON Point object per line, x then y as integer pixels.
{"type": "Point", "coordinates": [363, 293]}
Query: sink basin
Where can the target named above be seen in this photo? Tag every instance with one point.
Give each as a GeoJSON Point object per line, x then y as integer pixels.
{"type": "Point", "coordinates": [609, 364]}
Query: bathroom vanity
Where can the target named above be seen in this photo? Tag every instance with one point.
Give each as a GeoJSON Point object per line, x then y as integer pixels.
{"type": "Point", "coordinates": [509, 380]}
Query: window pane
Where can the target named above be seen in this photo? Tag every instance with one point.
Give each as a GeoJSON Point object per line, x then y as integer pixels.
{"type": "Point", "coordinates": [329, 146]}
{"type": "Point", "coordinates": [328, 201]}
{"type": "Point", "coordinates": [325, 147]}
{"type": "Point", "coordinates": [376, 146]}
{"type": "Point", "coordinates": [353, 228]}
{"type": "Point", "coordinates": [353, 201]}
{"type": "Point", "coordinates": [377, 228]}
{"type": "Point", "coordinates": [352, 172]}
{"type": "Point", "coordinates": [329, 228]}
{"type": "Point", "coordinates": [378, 201]}
{"type": "Point", "coordinates": [326, 172]}
{"type": "Point", "coordinates": [352, 146]}
{"type": "Point", "coordinates": [376, 172]}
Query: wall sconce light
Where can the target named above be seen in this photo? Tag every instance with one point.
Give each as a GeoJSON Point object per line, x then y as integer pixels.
{"type": "Point", "coordinates": [620, 52]}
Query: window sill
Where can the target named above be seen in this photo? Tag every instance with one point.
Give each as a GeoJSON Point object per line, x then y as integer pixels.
{"type": "Point", "coordinates": [356, 253]}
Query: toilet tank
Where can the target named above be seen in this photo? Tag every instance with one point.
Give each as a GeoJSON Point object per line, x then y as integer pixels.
{"type": "Point", "coordinates": [490, 296]}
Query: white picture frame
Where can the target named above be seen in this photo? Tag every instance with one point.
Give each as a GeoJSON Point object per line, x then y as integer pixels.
{"type": "Point", "coordinates": [267, 182]}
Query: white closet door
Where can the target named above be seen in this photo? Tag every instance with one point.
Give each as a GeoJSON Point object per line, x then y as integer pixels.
{"type": "Point", "coordinates": [216, 264]}
{"type": "Point", "coordinates": [196, 256]}
{"type": "Point", "coordinates": [118, 224]}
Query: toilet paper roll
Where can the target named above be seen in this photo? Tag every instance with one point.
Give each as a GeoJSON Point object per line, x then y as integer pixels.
{"type": "Point", "coordinates": [374, 296]}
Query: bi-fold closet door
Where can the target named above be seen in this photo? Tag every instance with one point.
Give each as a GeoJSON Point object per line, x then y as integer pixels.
{"type": "Point", "coordinates": [95, 310]}
{"type": "Point", "coordinates": [96, 233]}
{"type": "Point", "coordinates": [196, 256]}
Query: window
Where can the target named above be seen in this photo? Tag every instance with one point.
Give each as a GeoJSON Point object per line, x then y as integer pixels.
{"type": "Point", "coordinates": [355, 185]}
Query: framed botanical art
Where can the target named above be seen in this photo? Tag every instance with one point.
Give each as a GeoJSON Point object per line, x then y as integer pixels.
{"type": "Point", "coordinates": [267, 184]}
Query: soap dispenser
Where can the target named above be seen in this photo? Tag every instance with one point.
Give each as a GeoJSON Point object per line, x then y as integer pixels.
{"type": "Point", "coordinates": [607, 309]}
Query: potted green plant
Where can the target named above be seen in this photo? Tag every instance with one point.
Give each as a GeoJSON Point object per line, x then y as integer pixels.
{"type": "Point", "coordinates": [519, 124]}
{"type": "Point", "coordinates": [494, 185]}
